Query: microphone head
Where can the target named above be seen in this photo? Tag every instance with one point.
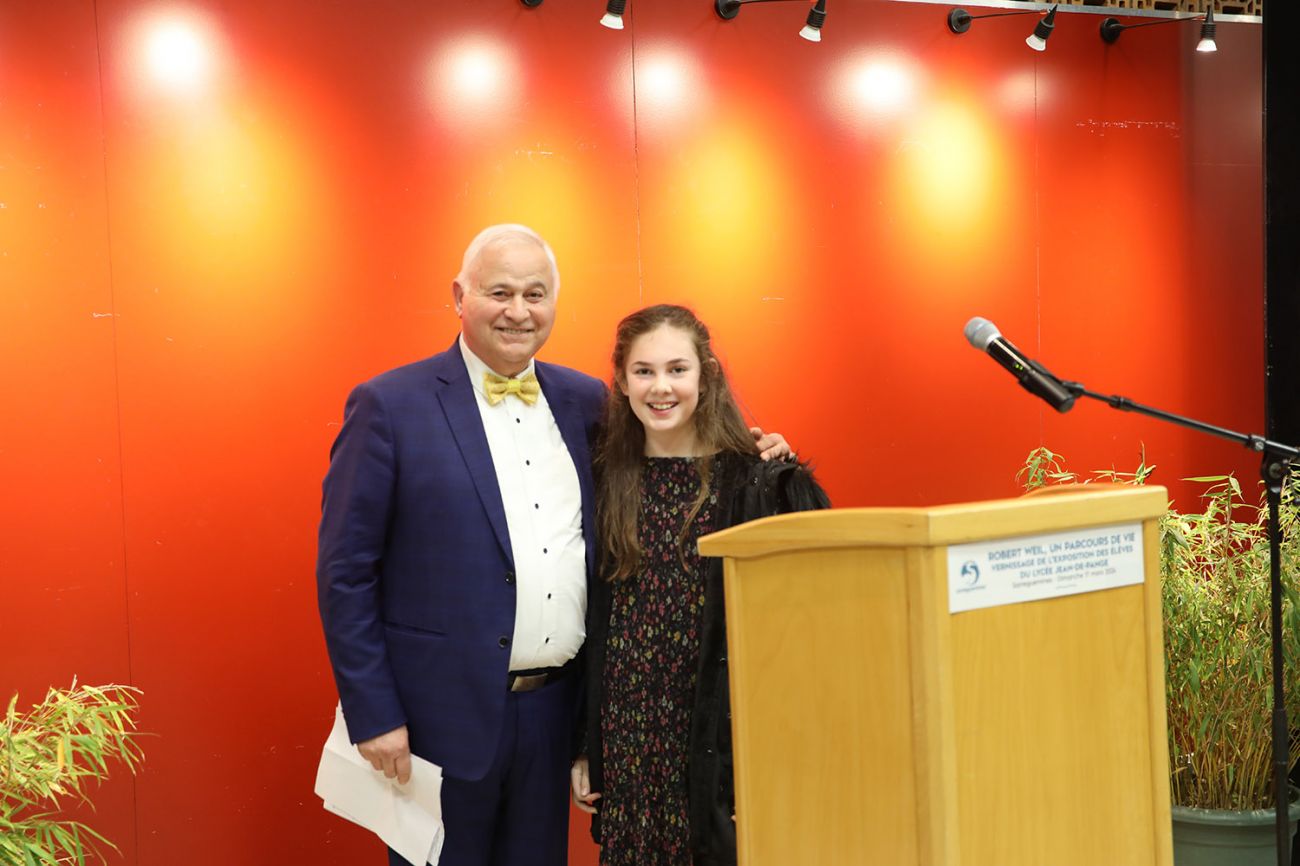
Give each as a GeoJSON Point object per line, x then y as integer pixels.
{"type": "Point", "coordinates": [980, 332]}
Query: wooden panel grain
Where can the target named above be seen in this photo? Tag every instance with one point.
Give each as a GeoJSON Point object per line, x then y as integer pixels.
{"type": "Point", "coordinates": [823, 747]}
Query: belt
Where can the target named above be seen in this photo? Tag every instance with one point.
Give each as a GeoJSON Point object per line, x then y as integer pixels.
{"type": "Point", "coordinates": [533, 679]}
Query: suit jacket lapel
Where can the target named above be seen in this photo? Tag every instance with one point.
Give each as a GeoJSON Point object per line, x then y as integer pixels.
{"type": "Point", "coordinates": [461, 409]}
{"type": "Point", "coordinates": [568, 417]}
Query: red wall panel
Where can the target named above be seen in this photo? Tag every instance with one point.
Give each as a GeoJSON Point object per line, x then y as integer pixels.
{"type": "Point", "coordinates": [62, 565]}
{"type": "Point", "coordinates": [249, 207]}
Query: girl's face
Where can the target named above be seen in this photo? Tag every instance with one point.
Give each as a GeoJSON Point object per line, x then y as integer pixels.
{"type": "Point", "coordinates": [662, 383]}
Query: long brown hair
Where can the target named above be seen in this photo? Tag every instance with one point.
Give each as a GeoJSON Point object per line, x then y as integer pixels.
{"type": "Point", "coordinates": [620, 455]}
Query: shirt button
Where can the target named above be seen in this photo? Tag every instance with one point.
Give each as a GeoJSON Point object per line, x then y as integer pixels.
{"type": "Point", "coordinates": [503, 641]}
{"type": "Point", "coordinates": [537, 505]}
{"type": "Point", "coordinates": [548, 595]}
{"type": "Point", "coordinates": [548, 640]}
{"type": "Point", "coordinates": [528, 463]}
{"type": "Point", "coordinates": [543, 550]}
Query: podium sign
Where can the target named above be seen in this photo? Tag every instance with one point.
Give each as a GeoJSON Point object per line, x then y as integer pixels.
{"type": "Point", "coordinates": [1034, 567]}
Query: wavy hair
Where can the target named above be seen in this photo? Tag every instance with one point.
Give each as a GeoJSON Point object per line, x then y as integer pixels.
{"type": "Point", "coordinates": [620, 454]}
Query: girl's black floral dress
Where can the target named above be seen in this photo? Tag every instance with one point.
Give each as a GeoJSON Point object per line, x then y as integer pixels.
{"type": "Point", "coordinates": [651, 664]}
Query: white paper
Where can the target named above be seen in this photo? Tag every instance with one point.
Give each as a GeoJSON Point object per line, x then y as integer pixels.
{"type": "Point", "coordinates": [408, 818]}
{"type": "Point", "coordinates": [1034, 567]}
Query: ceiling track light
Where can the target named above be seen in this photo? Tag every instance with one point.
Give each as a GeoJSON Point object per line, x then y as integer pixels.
{"type": "Point", "coordinates": [531, 4]}
{"type": "Point", "coordinates": [613, 17]}
{"type": "Point", "coordinates": [959, 22]}
{"type": "Point", "coordinates": [812, 29]}
{"type": "Point", "coordinates": [1111, 29]}
{"type": "Point", "coordinates": [1042, 30]}
{"type": "Point", "coordinates": [1207, 45]}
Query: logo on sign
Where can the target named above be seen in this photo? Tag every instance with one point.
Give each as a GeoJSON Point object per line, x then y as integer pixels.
{"type": "Point", "coordinates": [970, 573]}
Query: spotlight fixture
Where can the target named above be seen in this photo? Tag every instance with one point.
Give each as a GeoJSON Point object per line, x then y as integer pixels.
{"type": "Point", "coordinates": [1207, 45]}
{"type": "Point", "coordinates": [613, 17]}
{"type": "Point", "coordinates": [959, 22]}
{"type": "Point", "coordinates": [531, 4]}
{"type": "Point", "coordinates": [1111, 29]}
{"type": "Point", "coordinates": [812, 30]}
{"type": "Point", "coordinates": [1042, 30]}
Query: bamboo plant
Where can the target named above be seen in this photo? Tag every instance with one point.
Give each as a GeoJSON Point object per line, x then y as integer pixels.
{"type": "Point", "coordinates": [48, 755]}
{"type": "Point", "coordinates": [1218, 671]}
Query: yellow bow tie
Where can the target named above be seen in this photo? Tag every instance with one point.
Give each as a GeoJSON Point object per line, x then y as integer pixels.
{"type": "Point", "coordinates": [497, 387]}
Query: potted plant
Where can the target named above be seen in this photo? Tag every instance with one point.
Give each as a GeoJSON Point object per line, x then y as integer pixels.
{"type": "Point", "coordinates": [1215, 590]}
{"type": "Point", "coordinates": [47, 756]}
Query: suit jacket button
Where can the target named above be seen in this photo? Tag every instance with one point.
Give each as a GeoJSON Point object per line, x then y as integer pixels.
{"type": "Point", "coordinates": [510, 577]}
{"type": "Point", "coordinates": [503, 641]}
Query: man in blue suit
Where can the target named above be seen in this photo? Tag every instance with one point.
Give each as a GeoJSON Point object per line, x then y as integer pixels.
{"type": "Point", "coordinates": [455, 543]}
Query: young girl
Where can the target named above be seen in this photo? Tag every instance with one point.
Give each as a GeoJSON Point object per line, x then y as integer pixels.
{"type": "Point", "coordinates": [675, 462]}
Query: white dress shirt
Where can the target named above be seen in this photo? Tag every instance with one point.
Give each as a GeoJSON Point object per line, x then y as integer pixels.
{"type": "Point", "coordinates": [543, 504]}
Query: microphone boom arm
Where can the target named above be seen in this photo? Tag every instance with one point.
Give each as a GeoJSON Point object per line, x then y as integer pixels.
{"type": "Point", "coordinates": [1278, 450]}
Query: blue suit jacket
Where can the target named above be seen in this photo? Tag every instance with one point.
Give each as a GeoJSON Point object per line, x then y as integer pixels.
{"type": "Point", "coordinates": [414, 571]}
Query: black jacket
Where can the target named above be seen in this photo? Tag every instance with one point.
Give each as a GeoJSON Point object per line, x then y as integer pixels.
{"type": "Point", "coordinates": [753, 489]}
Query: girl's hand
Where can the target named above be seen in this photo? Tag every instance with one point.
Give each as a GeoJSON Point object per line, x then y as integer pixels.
{"type": "Point", "coordinates": [583, 797]}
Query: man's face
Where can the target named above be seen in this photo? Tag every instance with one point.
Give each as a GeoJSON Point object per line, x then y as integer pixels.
{"type": "Point", "coordinates": [507, 311]}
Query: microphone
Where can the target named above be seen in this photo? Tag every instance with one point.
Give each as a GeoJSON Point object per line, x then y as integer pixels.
{"type": "Point", "coordinates": [1033, 377]}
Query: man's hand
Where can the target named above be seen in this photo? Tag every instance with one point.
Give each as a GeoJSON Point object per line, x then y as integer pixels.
{"type": "Point", "coordinates": [771, 446]}
{"type": "Point", "coordinates": [390, 754]}
{"type": "Point", "coordinates": [583, 797]}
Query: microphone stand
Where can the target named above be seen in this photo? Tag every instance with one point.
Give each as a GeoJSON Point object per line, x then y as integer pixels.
{"type": "Point", "coordinates": [1277, 458]}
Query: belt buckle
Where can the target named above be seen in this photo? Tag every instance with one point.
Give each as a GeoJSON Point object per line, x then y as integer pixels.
{"type": "Point", "coordinates": [528, 683]}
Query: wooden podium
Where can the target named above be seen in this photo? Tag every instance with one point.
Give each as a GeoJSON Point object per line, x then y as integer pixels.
{"type": "Point", "coordinates": [873, 726]}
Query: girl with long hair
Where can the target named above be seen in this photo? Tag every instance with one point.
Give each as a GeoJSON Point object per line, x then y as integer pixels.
{"type": "Point", "coordinates": [675, 462]}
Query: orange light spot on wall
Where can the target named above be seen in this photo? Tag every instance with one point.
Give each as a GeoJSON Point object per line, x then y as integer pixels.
{"type": "Point", "coordinates": [174, 50]}
{"type": "Point", "coordinates": [670, 87]}
{"type": "Point", "coordinates": [236, 201]}
{"type": "Point", "coordinates": [730, 198]}
{"type": "Point", "coordinates": [473, 81]}
{"type": "Point", "coordinates": [868, 88]}
{"type": "Point", "coordinates": [950, 171]}
{"type": "Point", "coordinates": [533, 185]}
{"type": "Point", "coordinates": [543, 184]}
{"type": "Point", "coordinates": [1020, 91]}
{"type": "Point", "coordinates": [245, 177]}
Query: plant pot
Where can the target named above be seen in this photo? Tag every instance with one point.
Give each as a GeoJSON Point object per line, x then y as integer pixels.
{"type": "Point", "coordinates": [1211, 837]}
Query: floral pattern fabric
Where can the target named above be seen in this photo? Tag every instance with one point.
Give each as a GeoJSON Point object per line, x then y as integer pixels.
{"type": "Point", "coordinates": [651, 661]}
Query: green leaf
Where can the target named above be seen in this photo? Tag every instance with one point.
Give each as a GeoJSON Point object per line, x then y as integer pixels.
{"type": "Point", "coordinates": [52, 751]}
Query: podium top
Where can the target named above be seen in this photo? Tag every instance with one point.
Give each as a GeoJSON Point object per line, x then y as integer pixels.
{"type": "Point", "coordinates": [941, 525]}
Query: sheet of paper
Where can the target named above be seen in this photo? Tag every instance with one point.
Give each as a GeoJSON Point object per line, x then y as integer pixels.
{"type": "Point", "coordinates": [408, 818]}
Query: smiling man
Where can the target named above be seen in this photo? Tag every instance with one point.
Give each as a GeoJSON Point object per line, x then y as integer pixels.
{"type": "Point", "coordinates": [455, 542]}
